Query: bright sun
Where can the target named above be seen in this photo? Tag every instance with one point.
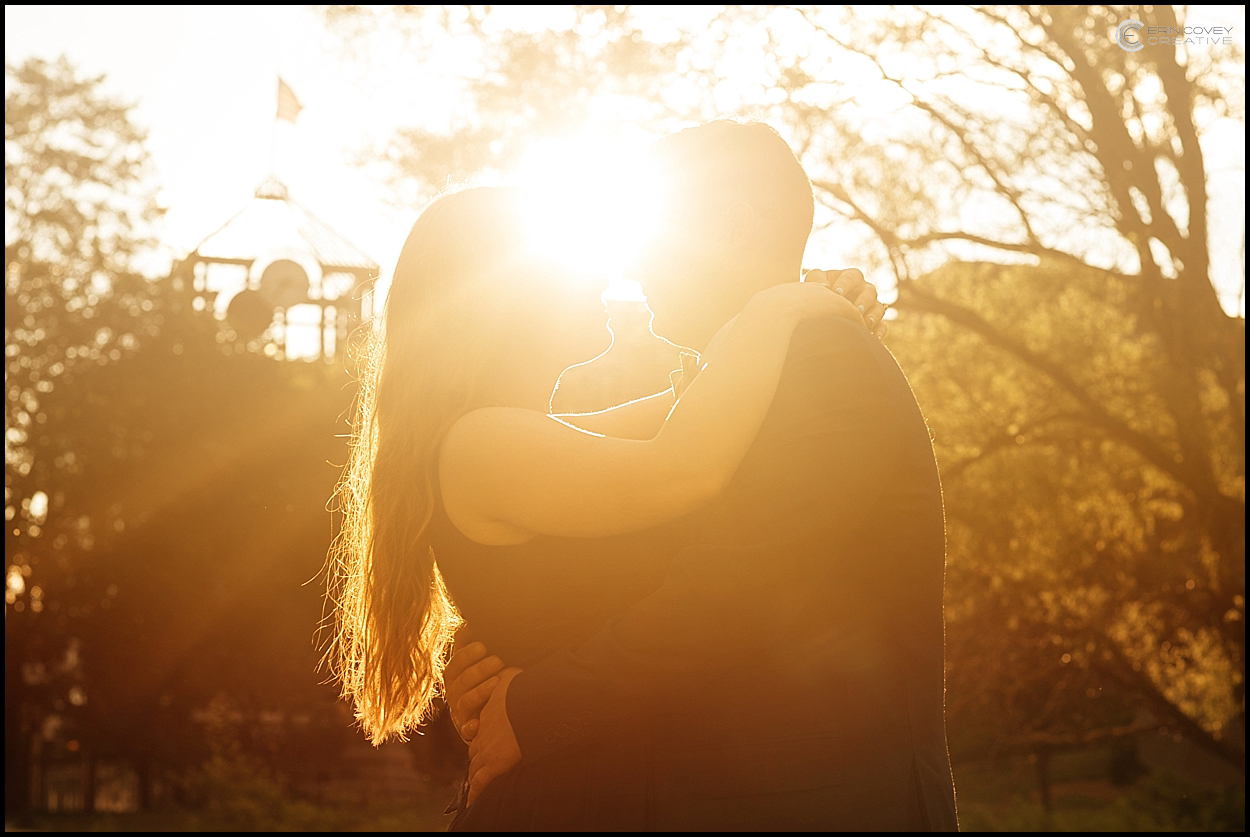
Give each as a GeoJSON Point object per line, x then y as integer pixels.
{"type": "Point", "coordinates": [590, 204]}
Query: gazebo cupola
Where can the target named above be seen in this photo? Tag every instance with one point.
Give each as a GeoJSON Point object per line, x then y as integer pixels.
{"type": "Point", "coordinates": [281, 279]}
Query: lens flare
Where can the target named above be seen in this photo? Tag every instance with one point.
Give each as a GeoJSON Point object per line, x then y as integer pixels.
{"type": "Point", "coordinates": [590, 204]}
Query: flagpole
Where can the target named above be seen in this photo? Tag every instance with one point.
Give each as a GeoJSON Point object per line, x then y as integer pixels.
{"type": "Point", "coordinates": [288, 108]}
{"type": "Point", "coordinates": [273, 140]}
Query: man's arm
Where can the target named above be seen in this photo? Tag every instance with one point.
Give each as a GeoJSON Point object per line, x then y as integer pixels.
{"type": "Point", "coordinates": [814, 471]}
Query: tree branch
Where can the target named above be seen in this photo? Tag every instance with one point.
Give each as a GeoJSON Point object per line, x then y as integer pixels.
{"type": "Point", "coordinates": [1191, 165]}
{"type": "Point", "coordinates": [1197, 481]}
{"type": "Point", "coordinates": [1005, 441]}
{"type": "Point", "coordinates": [1141, 683]}
{"type": "Point", "coordinates": [1076, 741]}
{"type": "Point", "coordinates": [1113, 145]}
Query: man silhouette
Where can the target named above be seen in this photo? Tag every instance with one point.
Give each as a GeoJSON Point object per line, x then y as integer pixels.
{"type": "Point", "coordinates": [788, 673]}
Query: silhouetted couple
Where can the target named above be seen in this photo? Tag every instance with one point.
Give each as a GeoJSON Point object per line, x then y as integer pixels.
{"type": "Point", "coordinates": [721, 611]}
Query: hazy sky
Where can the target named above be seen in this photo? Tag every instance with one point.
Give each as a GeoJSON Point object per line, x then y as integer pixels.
{"type": "Point", "coordinates": [204, 82]}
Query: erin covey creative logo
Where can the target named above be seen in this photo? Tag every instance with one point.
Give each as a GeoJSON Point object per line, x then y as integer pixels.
{"type": "Point", "coordinates": [1132, 35]}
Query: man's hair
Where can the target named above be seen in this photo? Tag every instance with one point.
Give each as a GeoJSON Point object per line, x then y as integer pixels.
{"type": "Point", "coordinates": [713, 164]}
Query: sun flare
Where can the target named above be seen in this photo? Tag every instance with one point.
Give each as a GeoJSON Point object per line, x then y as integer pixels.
{"type": "Point", "coordinates": [590, 203]}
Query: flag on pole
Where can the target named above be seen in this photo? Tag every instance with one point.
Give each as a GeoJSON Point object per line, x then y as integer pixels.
{"type": "Point", "coordinates": [288, 106]}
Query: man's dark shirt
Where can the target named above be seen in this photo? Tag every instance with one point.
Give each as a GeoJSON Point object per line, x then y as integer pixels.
{"type": "Point", "coordinates": [788, 673]}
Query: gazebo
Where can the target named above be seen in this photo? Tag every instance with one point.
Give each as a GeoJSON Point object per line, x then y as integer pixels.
{"type": "Point", "coordinates": [284, 281]}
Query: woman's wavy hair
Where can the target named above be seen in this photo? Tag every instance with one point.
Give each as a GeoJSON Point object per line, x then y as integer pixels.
{"type": "Point", "coordinates": [424, 366]}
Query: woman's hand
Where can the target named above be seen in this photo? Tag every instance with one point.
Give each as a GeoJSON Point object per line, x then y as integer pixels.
{"type": "Point", "coordinates": [470, 677]}
{"type": "Point", "coordinates": [851, 284]}
{"type": "Point", "coordinates": [495, 750]}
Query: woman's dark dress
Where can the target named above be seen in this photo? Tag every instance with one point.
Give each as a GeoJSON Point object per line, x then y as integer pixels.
{"type": "Point", "coordinates": [525, 602]}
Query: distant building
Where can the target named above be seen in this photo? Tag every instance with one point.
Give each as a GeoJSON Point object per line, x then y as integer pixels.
{"type": "Point", "coordinates": [282, 280]}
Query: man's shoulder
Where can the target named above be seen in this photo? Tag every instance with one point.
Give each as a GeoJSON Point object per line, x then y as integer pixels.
{"type": "Point", "coordinates": [823, 335]}
{"type": "Point", "coordinates": [834, 362]}
{"type": "Point", "coordinates": [823, 345]}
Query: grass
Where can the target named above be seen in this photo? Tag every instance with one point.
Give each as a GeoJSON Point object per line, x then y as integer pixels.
{"type": "Point", "coordinates": [993, 796]}
{"type": "Point", "coordinates": [1005, 798]}
{"type": "Point", "coordinates": [297, 817]}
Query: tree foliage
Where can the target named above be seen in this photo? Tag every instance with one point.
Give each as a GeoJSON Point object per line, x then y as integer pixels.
{"type": "Point", "coordinates": [165, 488]}
{"type": "Point", "coordinates": [523, 78]}
{"type": "Point", "coordinates": [1083, 605]}
{"type": "Point", "coordinates": [181, 559]}
{"type": "Point", "coordinates": [79, 206]}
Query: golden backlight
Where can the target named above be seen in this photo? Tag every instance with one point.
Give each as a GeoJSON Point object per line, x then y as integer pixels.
{"type": "Point", "coordinates": [590, 204]}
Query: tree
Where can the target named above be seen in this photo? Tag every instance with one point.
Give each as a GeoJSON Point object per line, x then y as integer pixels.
{"type": "Point", "coordinates": [1045, 98]}
{"type": "Point", "coordinates": [165, 487]}
{"type": "Point", "coordinates": [1079, 594]}
{"type": "Point", "coordinates": [79, 210]}
{"type": "Point", "coordinates": [78, 213]}
{"type": "Point", "coordinates": [1015, 135]}
{"type": "Point", "coordinates": [79, 207]}
{"type": "Point", "coordinates": [196, 613]}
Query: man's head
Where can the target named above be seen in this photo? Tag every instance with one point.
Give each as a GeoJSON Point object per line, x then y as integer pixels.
{"type": "Point", "coordinates": [735, 217]}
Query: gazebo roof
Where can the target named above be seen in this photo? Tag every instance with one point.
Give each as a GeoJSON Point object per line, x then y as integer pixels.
{"type": "Point", "coordinates": [273, 221]}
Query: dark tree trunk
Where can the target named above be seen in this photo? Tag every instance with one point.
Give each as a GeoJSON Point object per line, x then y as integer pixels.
{"type": "Point", "coordinates": [1042, 764]}
{"type": "Point", "coordinates": [17, 737]}
{"type": "Point", "coordinates": [88, 780]}
{"type": "Point", "coordinates": [143, 770]}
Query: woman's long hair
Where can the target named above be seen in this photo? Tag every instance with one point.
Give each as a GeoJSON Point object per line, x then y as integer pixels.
{"type": "Point", "coordinates": [444, 325]}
